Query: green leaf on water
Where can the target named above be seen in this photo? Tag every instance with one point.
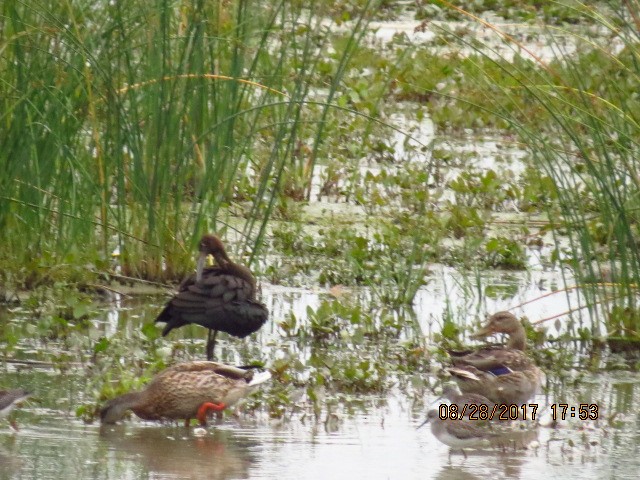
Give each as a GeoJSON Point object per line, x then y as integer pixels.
{"type": "Point", "coordinates": [80, 310]}
{"type": "Point", "coordinates": [101, 345]}
{"type": "Point", "coordinates": [150, 331]}
{"type": "Point", "coordinates": [450, 331]}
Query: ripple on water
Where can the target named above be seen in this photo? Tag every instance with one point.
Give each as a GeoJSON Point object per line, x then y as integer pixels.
{"type": "Point", "coordinates": [376, 442]}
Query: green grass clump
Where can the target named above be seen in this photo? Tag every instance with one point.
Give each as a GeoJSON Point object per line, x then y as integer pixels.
{"type": "Point", "coordinates": [139, 128]}
{"type": "Point", "coordinates": [577, 117]}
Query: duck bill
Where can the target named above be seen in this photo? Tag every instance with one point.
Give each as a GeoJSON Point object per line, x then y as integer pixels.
{"type": "Point", "coordinates": [423, 424]}
{"type": "Point", "coordinates": [202, 261]}
{"type": "Point", "coordinates": [483, 332]}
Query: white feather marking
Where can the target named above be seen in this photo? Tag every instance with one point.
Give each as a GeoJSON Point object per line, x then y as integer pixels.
{"type": "Point", "coordinates": [259, 378]}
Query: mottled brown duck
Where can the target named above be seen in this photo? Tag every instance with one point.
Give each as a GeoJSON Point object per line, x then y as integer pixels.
{"type": "Point", "coordinates": [469, 403]}
{"type": "Point", "coordinates": [486, 358]}
{"type": "Point", "coordinates": [9, 399]}
{"type": "Point", "coordinates": [502, 374]}
{"type": "Point", "coordinates": [508, 387]}
{"type": "Point", "coordinates": [185, 391]}
{"type": "Point", "coordinates": [221, 297]}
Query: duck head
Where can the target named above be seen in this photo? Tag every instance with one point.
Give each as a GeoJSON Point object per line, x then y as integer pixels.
{"type": "Point", "coordinates": [504, 322]}
{"type": "Point", "coordinates": [210, 245]}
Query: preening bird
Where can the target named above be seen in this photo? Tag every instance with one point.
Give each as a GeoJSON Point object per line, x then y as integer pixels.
{"type": "Point", "coordinates": [220, 298]}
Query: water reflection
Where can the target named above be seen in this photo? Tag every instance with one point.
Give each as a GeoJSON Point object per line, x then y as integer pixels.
{"type": "Point", "coordinates": [178, 453]}
{"type": "Point", "coordinates": [376, 439]}
{"type": "Point", "coordinates": [450, 472]}
{"type": "Point", "coordinates": [9, 464]}
{"type": "Point", "coordinates": [352, 436]}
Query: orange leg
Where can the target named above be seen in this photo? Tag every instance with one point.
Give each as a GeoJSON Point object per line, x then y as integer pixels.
{"type": "Point", "coordinates": [207, 407]}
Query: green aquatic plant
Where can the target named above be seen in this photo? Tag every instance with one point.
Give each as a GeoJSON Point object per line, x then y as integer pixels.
{"type": "Point", "coordinates": [344, 319]}
{"type": "Point", "coordinates": [551, 13]}
{"type": "Point", "coordinates": [484, 189]}
{"type": "Point", "coordinates": [463, 221]}
{"type": "Point", "coordinates": [581, 134]}
{"type": "Point", "coordinates": [355, 374]}
{"type": "Point", "coordinates": [503, 252]}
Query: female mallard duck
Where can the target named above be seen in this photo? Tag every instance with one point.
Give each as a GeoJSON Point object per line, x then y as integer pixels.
{"type": "Point", "coordinates": [503, 375]}
{"type": "Point", "coordinates": [222, 297]}
{"type": "Point", "coordinates": [185, 391]}
{"type": "Point", "coordinates": [487, 358]}
{"type": "Point", "coordinates": [9, 399]}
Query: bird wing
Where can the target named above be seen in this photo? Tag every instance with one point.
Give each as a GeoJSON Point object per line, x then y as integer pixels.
{"type": "Point", "coordinates": [467, 431]}
{"type": "Point", "coordinates": [238, 318]}
{"type": "Point", "coordinates": [213, 303]}
{"type": "Point", "coordinates": [466, 373]}
{"type": "Point", "coordinates": [216, 283]}
{"type": "Point", "coordinates": [227, 371]}
{"type": "Point", "coordinates": [489, 359]}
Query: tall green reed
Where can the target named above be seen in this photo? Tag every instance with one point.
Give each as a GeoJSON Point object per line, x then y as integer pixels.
{"type": "Point", "coordinates": [578, 117]}
{"type": "Point", "coordinates": [140, 126]}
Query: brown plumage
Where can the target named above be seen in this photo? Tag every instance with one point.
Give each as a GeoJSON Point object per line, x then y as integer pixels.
{"type": "Point", "coordinates": [185, 391]}
{"type": "Point", "coordinates": [472, 400]}
{"type": "Point", "coordinates": [222, 297]}
{"type": "Point", "coordinates": [502, 374]}
{"type": "Point", "coordinates": [9, 399]}
{"type": "Point", "coordinates": [487, 358]}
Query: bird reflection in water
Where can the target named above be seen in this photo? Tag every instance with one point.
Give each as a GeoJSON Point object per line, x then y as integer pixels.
{"type": "Point", "coordinates": [179, 453]}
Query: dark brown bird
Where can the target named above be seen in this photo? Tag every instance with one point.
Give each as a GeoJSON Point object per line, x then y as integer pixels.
{"type": "Point", "coordinates": [185, 391]}
{"type": "Point", "coordinates": [221, 297]}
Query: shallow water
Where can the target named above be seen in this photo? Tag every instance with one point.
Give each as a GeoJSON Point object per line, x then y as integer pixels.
{"type": "Point", "coordinates": [355, 436]}
{"type": "Point", "coordinates": [366, 436]}
{"type": "Point", "coordinates": [369, 436]}
{"type": "Point", "coordinates": [380, 443]}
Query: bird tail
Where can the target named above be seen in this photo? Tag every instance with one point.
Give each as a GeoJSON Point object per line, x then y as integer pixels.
{"type": "Point", "coordinates": [260, 377]}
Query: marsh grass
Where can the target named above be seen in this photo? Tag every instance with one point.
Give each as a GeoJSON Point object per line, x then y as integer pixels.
{"type": "Point", "coordinates": [135, 128]}
{"type": "Point", "coordinates": [577, 116]}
